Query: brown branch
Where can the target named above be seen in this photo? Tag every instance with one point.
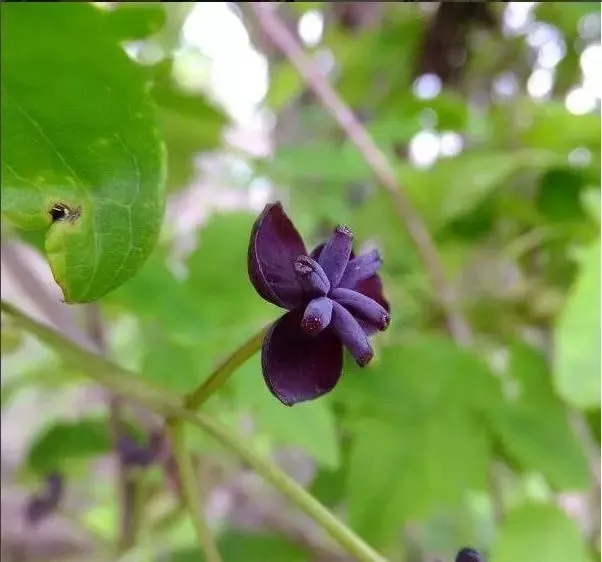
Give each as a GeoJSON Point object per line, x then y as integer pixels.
{"type": "Point", "coordinates": [280, 36]}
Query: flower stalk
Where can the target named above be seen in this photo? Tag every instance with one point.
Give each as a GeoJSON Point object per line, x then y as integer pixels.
{"type": "Point", "coordinates": [190, 492]}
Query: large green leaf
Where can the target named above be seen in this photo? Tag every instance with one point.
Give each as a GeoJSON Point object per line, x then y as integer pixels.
{"type": "Point", "coordinates": [67, 442]}
{"type": "Point", "coordinates": [168, 363]}
{"type": "Point", "coordinates": [539, 533]}
{"type": "Point", "coordinates": [533, 425]}
{"type": "Point", "coordinates": [157, 295]}
{"type": "Point", "coordinates": [577, 358]}
{"type": "Point", "coordinates": [79, 131]}
{"type": "Point", "coordinates": [419, 439]}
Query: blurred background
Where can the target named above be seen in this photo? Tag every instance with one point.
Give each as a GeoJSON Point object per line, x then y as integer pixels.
{"type": "Point", "coordinates": [490, 115]}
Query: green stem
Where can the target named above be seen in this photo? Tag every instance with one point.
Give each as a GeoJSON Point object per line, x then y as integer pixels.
{"type": "Point", "coordinates": [128, 384]}
{"type": "Point", "coordinates": [223, 371]}
{"type": "Point", "coordinates": [190, 492]}
{"type": "Point", "coordinates": [346, 538]}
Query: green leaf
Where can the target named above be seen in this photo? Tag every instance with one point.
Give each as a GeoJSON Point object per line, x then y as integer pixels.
{"type": "Point", "coordinates": [394, 386]}
{"type": "Point", "coordinates": [559, 197]}
{"type": "Point", "coordinates": [420, 443]}
{"type": "Point", "coordinates": [540, 123]}
{"type": "Point", "coordinates": [191, 124]}
{"type": "Point", "coordinates": [67, 442]}
{"type": "Point", "coordinates": [90, 143]}
{"type": "Point", "coordinates": [168, 363]}
{"type": "Point", "coordinates": [449, 189]}
{"type": "Point", "coordinates": [310, 426]}
{"type": "Point", "coordinates": [135, 20]}
{"type": "Point", "coordinates": [577, 351]}
{"type": "Point", "coordinates": [591, 202]}
{"type": "Point", "coordinates": [156, 294]}
{"type": "Point", "coordinates": [329, 486]}
{"type": "Point", "coordinates": [456, 186]}
{"type": "Point", "coordinates": [230, 308]}
{"type": "Point", "coordinates": [539, 533]}
{"type": "Point", "coordinates": [320, 161]}
{"type": "Point", "coordinates": [399, 472]}
{"type": "Point", "coordinates": [533, 425]}
{"type": "Point", "coordinates": [235, 547]}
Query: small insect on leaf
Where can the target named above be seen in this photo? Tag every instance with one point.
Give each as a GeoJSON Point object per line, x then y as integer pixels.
{"type": "Point", "coordinates": [60, 211]}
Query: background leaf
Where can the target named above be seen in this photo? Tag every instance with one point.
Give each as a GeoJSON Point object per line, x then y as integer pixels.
{"type": "Point", "coordinates": [254, 548]}
{"type": "Point", "coordinates": [577, 369]}
{"type": "Point", "coordinates": [522, 533]}
{"type": "Point", "coordinates": [406, 461]}
{"type": "Point", "coordinates": [533, 423]}
{"type": "Point", "coordinates": [64, 443]}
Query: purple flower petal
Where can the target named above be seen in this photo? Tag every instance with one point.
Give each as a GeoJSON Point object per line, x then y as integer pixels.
{"type": "Point", "coordinates": [353, 336]}
{"type": "Point", "coordinates": [373, 288]}
{"type": "Point", "coordinates": [311, 276]}
{"type": "Point", "coordinates": [335, 254]}
{"type": "Point", "coordinates": [362, 306]}
{"type": "Point", "coordinates": [273, 248]}
{"type": "Point", "coordinates": [361, 268]}
{"type": "Point", "coordinates": [317, 316]}
{"type": "Point", "coordinates": [297, 367]}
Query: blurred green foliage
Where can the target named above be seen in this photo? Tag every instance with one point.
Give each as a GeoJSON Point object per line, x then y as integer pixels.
{"type": "Point", "coordinates": [431, 447]}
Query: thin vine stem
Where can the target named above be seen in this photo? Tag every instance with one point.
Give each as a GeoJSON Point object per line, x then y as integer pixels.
{"type": "Point", "coordinates": [130, 385]}
{"type": "Point", "coordinates": [224, 370]}
{"type": "Point", "coordinates": [190, 492]}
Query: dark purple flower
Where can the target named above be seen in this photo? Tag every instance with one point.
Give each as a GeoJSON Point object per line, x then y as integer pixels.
{"type": "Point", "coordinates": [333, 298]}
{"type": "Point", "coordinates": [469, 555]}
{"type": "Point", "coordinates": [45, 502]}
